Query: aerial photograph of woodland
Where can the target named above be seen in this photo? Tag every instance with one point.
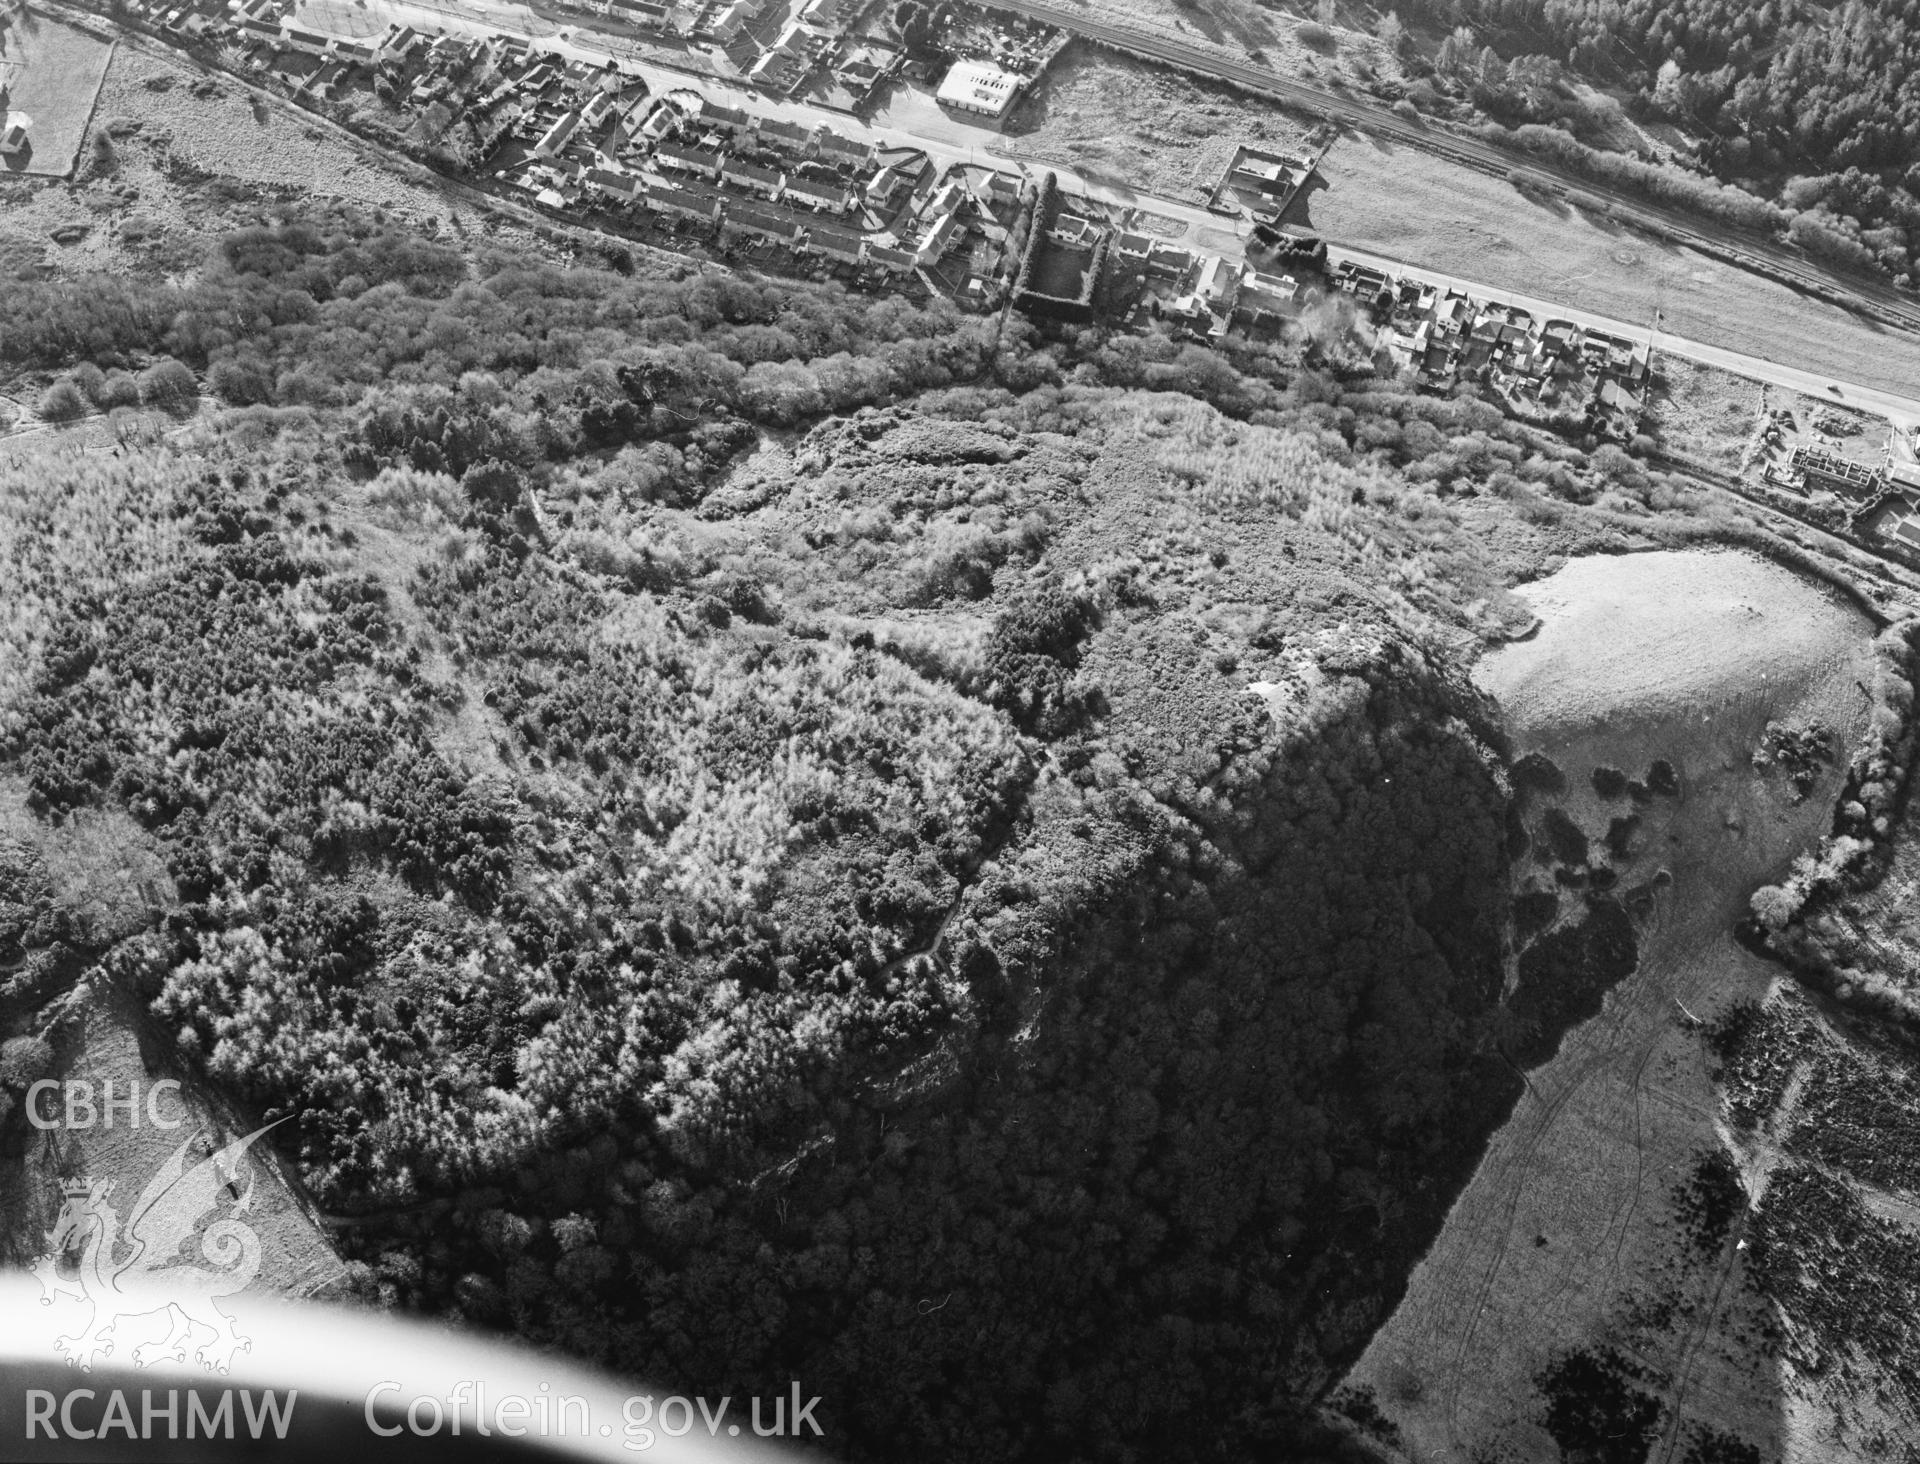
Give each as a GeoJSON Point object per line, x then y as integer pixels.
{"type": "Point", "coordinates": [1155, 731]}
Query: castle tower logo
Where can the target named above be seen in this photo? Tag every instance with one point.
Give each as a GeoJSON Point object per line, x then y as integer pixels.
{"type": "Point", "coordinates": [153, 1284]}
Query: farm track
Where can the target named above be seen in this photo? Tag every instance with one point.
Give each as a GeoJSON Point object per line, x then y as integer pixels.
{"type": "Point", "coordinates": [1875, 302]}
{"type": "Point", "coordinates": [1602, 1035]}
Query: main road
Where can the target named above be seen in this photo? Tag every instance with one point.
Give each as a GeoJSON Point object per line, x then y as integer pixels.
{"type": "Point", "coordinates": [1878, 300]}
{"type": "Point", "coordinates": [1902, 411]}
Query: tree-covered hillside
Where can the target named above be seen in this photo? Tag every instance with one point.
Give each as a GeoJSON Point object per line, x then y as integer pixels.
{"type": "Point", "coordinates": [760, 834]}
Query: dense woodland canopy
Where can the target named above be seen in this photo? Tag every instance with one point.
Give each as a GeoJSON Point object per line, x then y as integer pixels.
{"type": "Point", "coordinates": [733, 816]}
{"type": "Point", "coordinates": [1818, 105]}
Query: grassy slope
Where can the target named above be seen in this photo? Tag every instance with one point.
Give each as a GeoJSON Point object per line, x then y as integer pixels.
{"type": "Point", "coordinates": [1575, 1234]}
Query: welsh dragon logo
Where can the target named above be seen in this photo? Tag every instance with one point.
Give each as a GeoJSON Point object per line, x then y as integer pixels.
{"type": "Point", "coordinates": [147, 1273]}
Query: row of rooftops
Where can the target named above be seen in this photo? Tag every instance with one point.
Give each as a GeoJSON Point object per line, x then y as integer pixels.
{"type": "Point", "coordinates": [1443, 333]}
{"type": "Point", "coordinates": [774, 182]}
{"type": "Point", "coordinates": [1437, 315]}
{"type": "Point", "coordinates": [791, 137]}
{"type": "Point", "coordinates": [764, 220]}
{"type": "Point", "coordinates": [766, 216]}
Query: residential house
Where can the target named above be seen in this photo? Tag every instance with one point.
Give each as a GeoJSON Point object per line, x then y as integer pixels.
{"type": "Point", "coordinates": [751, 176]}
{"type": "Point", "coordinates": [1263, 294]}
{"type": "Point", "coordinates": [1217, 284]}
{"type": "Point", "coordinates": [730, 122]}
{"type": "Point", "coordinates": [661, 122]}
{"type": "Point", "coordinates": [830, 197]}
{"type": "Point", "coordinates": [862, 67]}
{"type": "Point", "coordinates": [893, 261]}
{"type": "Point", "coordinates": [647, 14]}
{"type": "Point", "coordinates": [830, 15]}
{"type": "Point", "coordinates": [939, 238]}
{"type": "Point", "coordinates": [556, 137]}
{"type": "Point", "coordinates": [623, 187]}
{"type": "Point", "coordinates": [789, 137]}
{"type": "Point", "coordinates": [691, 201]}
{"type": "Point", "coordinates": [781, 71]}
{"type": "Point", "coordinates": [727, 24]}
{"type": "Point", "coordinates": [764, 221]}
{"type": "Point", "coordinates": [835, 241]}
{"type": "Point", "coordinates": [1168, 263]}
{"type": "Point", "coordinates": [599, 107]}
{"type": "Point", "coordinates": [831, 147]}
{"type": "Point", "coordinates": [700, 161]}
{"type": "Point", "coordinates": [401, 44]}
{"type": "Point", "coordinates": [1071, 231]}
{"type": "Point", "coordinates": [885, 187]}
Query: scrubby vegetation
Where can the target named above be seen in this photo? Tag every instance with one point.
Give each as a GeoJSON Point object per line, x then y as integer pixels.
{"type": "Point", "coordinates": [1799, 752]}
{"type": "Point", "coordinates": [727, 814]}
{"type": "Point", "coordinates": [1811, 918]}
{"type": "Point", "coordinates": [1597, 1408]}
{"type": "Point", "coordinates": [1708, 1201]}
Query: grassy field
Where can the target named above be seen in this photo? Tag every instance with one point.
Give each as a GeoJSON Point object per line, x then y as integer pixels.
{"type": "Point", "coordinates": [1571, 1235]}
{"type": "Point", "coordinates": [51, 74]}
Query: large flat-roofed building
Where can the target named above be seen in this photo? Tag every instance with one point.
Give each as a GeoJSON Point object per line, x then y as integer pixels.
{"type": "Point", "coordinates": [980, 88]}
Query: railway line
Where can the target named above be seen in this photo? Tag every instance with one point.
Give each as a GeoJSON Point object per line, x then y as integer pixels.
{"type": "Point", "coordinates": [1867, 298]}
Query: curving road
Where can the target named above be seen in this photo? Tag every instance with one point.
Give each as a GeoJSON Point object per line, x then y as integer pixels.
{"type": "Point", "coordinates": [1880, 301]}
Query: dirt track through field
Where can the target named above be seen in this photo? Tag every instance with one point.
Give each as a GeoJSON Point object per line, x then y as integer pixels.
{"type": "Point", "coordinates": [1568, 1236]}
